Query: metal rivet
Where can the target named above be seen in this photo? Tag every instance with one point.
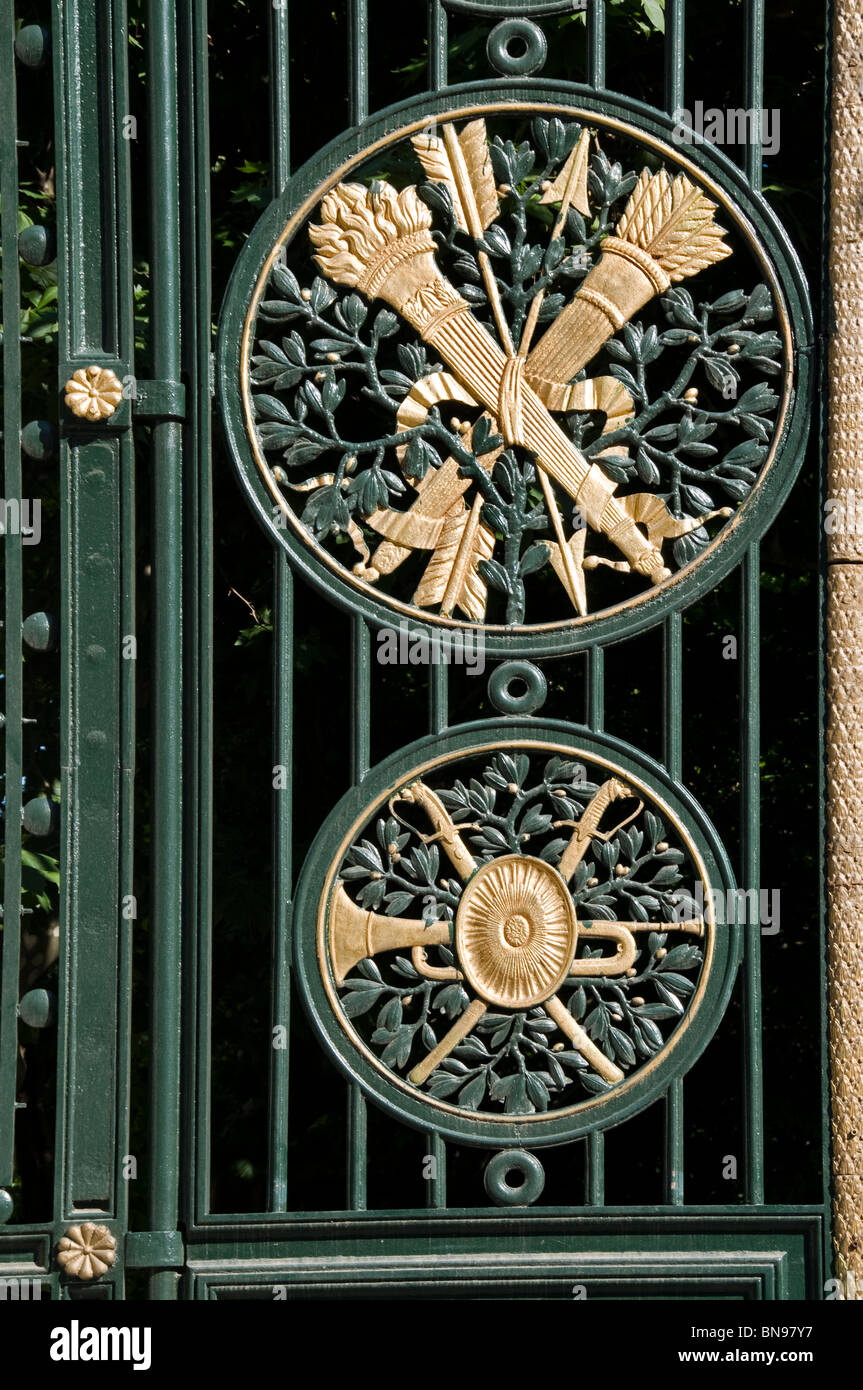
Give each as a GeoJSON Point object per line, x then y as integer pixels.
{"type": "Point", "coordinates": [95, 653]}
{"type": "Point", "coordinates": [39, 440]}
{"type": "Point", "coordinates": [36, 1008]}
{"type": "Point", "coordinates": [41, 632]}
{"type": "Point", "coordinates": [32, 45]}
{"type": "Point", "coordinates": [507, 1194]}
{"type": "Point", "coordinates": [6, 1205]}
{"type": "Point", "coordinates": [37, 245]}
{"type": "Point", "coordinates": [513, 33]}
{"type": "Point", "coordinates": [503, 676]}
{"type": "Point", "coordinates": [40, 816]}
{"type": "Point", "coordinates": [97, 738]}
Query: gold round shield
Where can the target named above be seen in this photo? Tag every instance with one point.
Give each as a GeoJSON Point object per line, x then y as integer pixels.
{"type": "Point", "coordinates": [516, 931]}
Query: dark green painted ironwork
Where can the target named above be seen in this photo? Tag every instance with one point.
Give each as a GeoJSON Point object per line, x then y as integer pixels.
{"type": "Point", "coordinates": [190, 1249]}
{"type": "Point", "coordinates": [12, 578]}
{"type": "Point", "coordinates": [98, 741]}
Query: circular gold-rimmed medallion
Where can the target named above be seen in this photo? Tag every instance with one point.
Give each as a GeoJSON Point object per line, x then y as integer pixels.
{"type": "Point", "coordinates": [513, 981]}
{"type": "Point", "coordinates": [430, 540]}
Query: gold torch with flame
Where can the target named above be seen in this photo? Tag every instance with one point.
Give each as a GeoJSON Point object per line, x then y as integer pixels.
{"type": "Point", "coordinates": [666, 234]}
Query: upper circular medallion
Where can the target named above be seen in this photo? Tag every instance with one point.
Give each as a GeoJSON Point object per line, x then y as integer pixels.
{"type": "Point", "coordinates": [523, 366]}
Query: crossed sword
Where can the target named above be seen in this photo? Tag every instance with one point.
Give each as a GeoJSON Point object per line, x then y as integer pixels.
{"type": "Point", "coordinates": [584, 830]}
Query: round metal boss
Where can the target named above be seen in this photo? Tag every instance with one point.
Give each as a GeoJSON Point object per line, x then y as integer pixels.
{"type": "Point", "coordinates": [508, 936]}
{"type": "Point", "coordinates": [554, 448]}
{"type": "Point", "coordinates": [526, 1167]}
{"type": "Point", "coordinates": [517, 47]}
{"type": "Point", "coordinates": [524, 673]}
{"type": "Point", "coordinates": [516, 931]}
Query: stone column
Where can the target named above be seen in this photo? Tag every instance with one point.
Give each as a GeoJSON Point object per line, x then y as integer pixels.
{"type": "Point", "coordinates": [845, 644]}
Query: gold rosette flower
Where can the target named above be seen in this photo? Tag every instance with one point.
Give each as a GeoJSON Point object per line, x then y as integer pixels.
{"type": "Point", "coordinates": [86, 1251]}
{"type": "Point", "coordinates": [93, 393]}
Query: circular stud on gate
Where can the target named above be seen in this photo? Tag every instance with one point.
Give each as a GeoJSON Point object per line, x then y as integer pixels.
{"type": "Point", "coordinates": [37, 1008]}
{"type": "Point", "coordinates": [39, 441]}
{"type": "Point", "coordinates": [32, 46]}
{"type": "Point", "coordinates": [37, 245]}
{"type": "Point", "coordinates": [517, 687]}
{"type": "Point", "coordinates": [7, 1205]}
{"type": "Point", "coordinates": [517, 47]}
{"type": "Point", "coordinates": [41, 632]}
{"type": "Point", "coordinates": [41, 816]}
{"type": "Point", "coordinates": [517, 1164]}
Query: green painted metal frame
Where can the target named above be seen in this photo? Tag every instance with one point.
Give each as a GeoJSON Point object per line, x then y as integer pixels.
{"type": "Point", "coordinates": [703, 1247]}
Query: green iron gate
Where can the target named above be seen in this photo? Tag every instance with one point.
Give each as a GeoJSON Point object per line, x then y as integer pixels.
{"type": "Point", "coordinates": [514, 374]}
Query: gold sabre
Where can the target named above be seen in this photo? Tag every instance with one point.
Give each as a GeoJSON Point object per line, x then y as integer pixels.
{"type": "Point", "coordinates": [380, 241]}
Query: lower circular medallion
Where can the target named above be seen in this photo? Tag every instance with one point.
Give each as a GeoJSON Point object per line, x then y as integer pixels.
{"type": "Point", "coordinates": [516, 935]}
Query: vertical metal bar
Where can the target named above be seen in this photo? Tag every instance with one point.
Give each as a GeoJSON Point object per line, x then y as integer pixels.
{"type": "Point", "coordinates": [673, 758]}
{"type": "Point", "coordinates": [673, 1157]}
{"type": "Point", "coordinates": [361, 657]}
{"type": "Point", "coordinates": [436, 1182]}
{"type": "Point", "coordinates": [96, 327]}
{"type": "Point", "coordinates": [361, 710]}
{"type": "Point", "coordinates": [595, 1174]}
{"type": "Point", "coordinates": [193, 118]}
{"type": "Point", "coordinates": [675, 55]}
{"type": "Point", "coordinates": [673, 695]}
{"type": "Point", "coordinates": [750, 820]}
{"type": "Point", "coordinates": [283, 684]}
{"type": "Point", "coordinates": [438, 698]}
{"type": "Point", "coordinates": [437, 46]}
{"type": "Point", "coordinates": [596, 43]}
{"type": "Point", "coordinates": [357, 1139]}
{"type": "Point", "coordinates": [358, 60]}
{"type": "Point", "coordinates": [127, 604]}
{"type": "Point", "coordinates": [750, 711]}
{"type": "Point", "coordinates": [595, 688]}
{"type": "Point", "coordinates": [167, 445]}
{"type": "Point", "coordinates": [13, 579]}
{"type": "Point", "coordinates": [595, 719]}
{"type": "Point", "coordinates": [753, 82]}
{"type": "Point", "coordinates": [283, 690]}
{"type": "Point", "coordinates": [280, 125]}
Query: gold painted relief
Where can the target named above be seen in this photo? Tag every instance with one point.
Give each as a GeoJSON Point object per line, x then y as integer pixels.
{"type": "Point", "coordinates": [549, 424]}
{"type": "Point", "coordinates": [514, 935]}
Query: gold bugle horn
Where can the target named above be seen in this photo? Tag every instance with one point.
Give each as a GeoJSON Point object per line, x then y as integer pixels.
{"type": "Point", "coordinates": [356, 933]}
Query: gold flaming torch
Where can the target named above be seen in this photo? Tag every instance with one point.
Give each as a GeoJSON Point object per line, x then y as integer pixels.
{"type": "Point", "coordinates": [379, 240]}
{"type": "Point", "coordinates": [666, 233]}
